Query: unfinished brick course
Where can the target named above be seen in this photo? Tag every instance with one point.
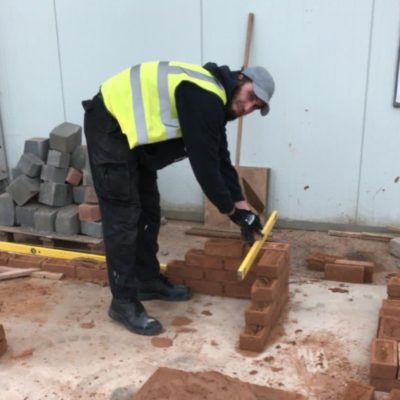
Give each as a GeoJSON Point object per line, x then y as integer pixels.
{"type": "Point", "coordinates": [338, 268]}
{"type": "Point", "coordinates": [213, 271]}
{"type": "Point", "coordinates": [384, 371]}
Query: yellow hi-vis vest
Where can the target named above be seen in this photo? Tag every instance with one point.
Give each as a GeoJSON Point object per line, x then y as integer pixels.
{"type": "Point", "coordinates": [142, 98]}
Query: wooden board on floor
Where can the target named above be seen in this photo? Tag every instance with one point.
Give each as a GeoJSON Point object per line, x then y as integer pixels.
{"type": "Point", "coordinates": [258, 178]}
{"type": "Point", "coordinates": [11, 273]}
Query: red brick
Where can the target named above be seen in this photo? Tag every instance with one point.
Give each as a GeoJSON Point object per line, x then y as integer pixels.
{"type": "Point", "coordinates": [264, 290]}
{"type": "Point", "coordinates": [215, 275]}
{"type": "Point", "coordinates": [389, 328]}
{"type": "Point", "coordinates": [344, 273]}
{"type": "Point", "coordinates": [394, 394]}
{"type": "Point", "coordinates": [178, 268]}
{"type": "Point", "coordinates": [224, 248]}
{"type": "Point", "coordinates": [91, 270]}
{"type": "Point", "coordinates": [317, 260]}
{"type": "Point", "coordinates": [212, 262]}
{"type": "Point", "coordinates": [384, 362]}
{"type": "Point", "coordinates": [89, 212]}
{"type": "Point", "coordinates": [358, 391]}
{"type": "Point", "coordinates": [390, 308]}
{"type": "Point", "coordinates": [59, 265]}
{"type": "Point", "coordinates": [256, 315]}
{"type": "Point", "coordinates": [368, 265]}
{"type": "Point", "coordinates": [194, 258]}
{"type": "Point", "coordinates": [279, 305]}
{"type": "Point", "coordinates": [231, 263]}
{"type": "Point", "coordinates": [73, 177]}
{"type": "Point", "coordinates": [203, 287]}
{"type": "Point", "coordinates": [253, 338]}
{"type": "Point", "coordinates": [25, 261]}
{"type": "Point", "coordinates": [237, 290]}
{"type": "Point", "coordinates": [4, 257]}
{"type": "Point", "coordinates": [385, 385]}
{"type": "Point", "coordinates": [393, 287]}
{"type": "Point", "coordinates": [272, 264]}
{"type": "Point", "coordinates": [90, 195]}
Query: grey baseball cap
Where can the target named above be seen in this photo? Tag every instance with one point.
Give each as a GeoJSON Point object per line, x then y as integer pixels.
{"type": "Point", "coordinates": [263, 85]}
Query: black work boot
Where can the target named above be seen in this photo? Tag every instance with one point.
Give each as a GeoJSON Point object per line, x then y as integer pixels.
{"type": "Point", "coordinates": [132, 314]}
{"type": "Point", "coordinates": [160, 288]}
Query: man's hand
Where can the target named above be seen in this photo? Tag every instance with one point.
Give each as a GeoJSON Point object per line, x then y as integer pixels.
{"type": "Point", "coordinates": [249, 223]}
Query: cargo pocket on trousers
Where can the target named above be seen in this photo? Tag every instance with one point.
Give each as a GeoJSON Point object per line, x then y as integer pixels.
{"type": "Point", "coordinates": [114, 182]}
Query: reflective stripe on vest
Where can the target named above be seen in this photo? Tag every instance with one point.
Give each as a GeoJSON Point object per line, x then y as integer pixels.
{"type": "Point", "coordinates": [142, 98]}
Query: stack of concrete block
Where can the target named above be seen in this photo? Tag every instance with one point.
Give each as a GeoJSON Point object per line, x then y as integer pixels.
{"type": "Point", "coordinates": [385, 350]}
{"type": "Point", "coordinates": [337, 268]}
{"type": "Point", "coordinates": [358, 391]}
{"type": "Point", "coordinates": [49, 185]}
{"type": "Point", "coordinates": [269, 294]}
{"type": "Point", "coordinates": [3, 341]}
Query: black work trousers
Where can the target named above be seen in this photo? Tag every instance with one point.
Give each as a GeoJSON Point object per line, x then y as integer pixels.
{"type": "Point", "coordinates": [129, 201]}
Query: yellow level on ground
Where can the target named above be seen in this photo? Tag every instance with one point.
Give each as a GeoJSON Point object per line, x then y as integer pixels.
{"type": "Point", "coordinates": [47, 252]}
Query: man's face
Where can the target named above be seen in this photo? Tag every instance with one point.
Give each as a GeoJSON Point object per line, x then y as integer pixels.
{"type": "Point", "coordinates": [244, 101]}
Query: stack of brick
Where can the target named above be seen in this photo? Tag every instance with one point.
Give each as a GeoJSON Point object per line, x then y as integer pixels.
{"type": "Point", "coordinates": [337, 268]}
{"type": "Point", "coordinates": [3, 341]}
{"type": "Point", "coordinates": [51, 181]}
{"type": "Point", "coordinates": [269, 294]}
{"type": "Point", "coordinates": [79, 268]}
{"type": "Point", "coordinates": [384, 371]}
{"type": "Point", "coordinates": [358, 391]}
{"type": "Point", "coordinates": [213, 271]}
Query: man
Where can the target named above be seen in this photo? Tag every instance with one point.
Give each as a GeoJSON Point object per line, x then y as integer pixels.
{"type": "Point", "coordinates": [143, 119]}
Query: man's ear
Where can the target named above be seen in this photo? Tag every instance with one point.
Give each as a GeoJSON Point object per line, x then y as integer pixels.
{"type": "Point", "coordinates": [240, 76]}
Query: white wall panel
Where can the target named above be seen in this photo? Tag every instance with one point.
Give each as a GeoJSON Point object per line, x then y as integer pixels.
{"type": "Point", "coordinates": [380, 182]}
{"type": "Point", "coordinates": [99, 38]}
{"type": "Point", "coordinates": [30, 91]}
{"type": "Point", "coordinates": [317, 52]}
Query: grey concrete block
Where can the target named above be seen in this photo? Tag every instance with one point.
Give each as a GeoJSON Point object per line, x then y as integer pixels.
{"type": "Point", "coordinates": [38, 146]}
{"type": "Point", "coordinates": [91, 228]}
{"type": "Point", "coordinates": [15, 173]}
{"type": "Point", "coordinates": [67, 220]}
{"type": "Point", "coordinates": [53, 174]}
{"type": "Point", "coordinates": [45, 218]}
{"type": "Point", "coordinates": [30, 165]}
{"type": "Point", "coordinates": [65, 137]}
{"type": "Point", "coordinates": [7, 210]}
{"type": "Point", "coordinates": [55, 194]}
{"type": "Point", "coordinates": [58, 159]}
{"type": "Point", "coordinates": [26, 215]}
{"type": "Point", "coordinates": [79, 157]}
{"type": "Point", "coordinates": [78, 194]}
{"type": "Point", "coordinates": [394, 247]}
{"type": "Point", "coordinates": [23, 189]}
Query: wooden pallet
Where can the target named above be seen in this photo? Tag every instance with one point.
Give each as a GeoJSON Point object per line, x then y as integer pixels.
{"type": "Point", "coordinates": [52, 240]}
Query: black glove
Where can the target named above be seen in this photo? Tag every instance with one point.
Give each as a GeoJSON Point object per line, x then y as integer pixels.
{"type": "Point", "coordinates": [248, 222]}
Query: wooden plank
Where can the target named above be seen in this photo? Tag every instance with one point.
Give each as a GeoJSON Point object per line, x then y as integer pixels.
{"type": "Point", "coordinates": [11, 273]}
{"type": "Point", "coordinates": [257, 178]}
{"type": "Point", "coordinates": [363, 235]}
{"type": "Point", "coordinates": [393, 228]}
{"type": "Point", "coordinates": [212, 232]}
{"type": "Point", "coordinates": [51, 236]}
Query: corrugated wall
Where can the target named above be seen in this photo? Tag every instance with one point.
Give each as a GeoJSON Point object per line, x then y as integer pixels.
{"type": "Point", "coordinates": [332, 137]}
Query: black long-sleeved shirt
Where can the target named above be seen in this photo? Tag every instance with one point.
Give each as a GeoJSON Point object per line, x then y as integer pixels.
{"type": "Point", "coordinates": [202, 118]}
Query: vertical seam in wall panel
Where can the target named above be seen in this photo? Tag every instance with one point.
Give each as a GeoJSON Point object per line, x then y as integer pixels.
{"type": "Point", "coordinates": [201, 33]}
{"type": "Point", "coordinates": [365, 110]}
{"type": "Point", "coordinates": [59, 60]}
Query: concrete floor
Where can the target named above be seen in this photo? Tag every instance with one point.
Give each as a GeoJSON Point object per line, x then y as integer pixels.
{"type": "Point", "coordinates": [62, 345]}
